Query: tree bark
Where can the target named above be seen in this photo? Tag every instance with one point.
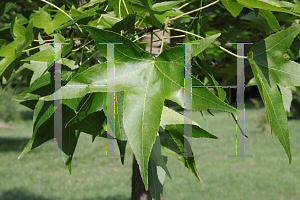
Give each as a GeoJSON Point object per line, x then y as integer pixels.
{"type": "Point", "coordinates": [138, 188]}
{"type": "Point", "coordinates": [138, 191]}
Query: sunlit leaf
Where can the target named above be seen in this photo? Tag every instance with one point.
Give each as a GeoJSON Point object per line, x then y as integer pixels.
{"type": "Point", "coordinates": [271, 69]}
{"type": "Point", "coordinates": [147, 82]}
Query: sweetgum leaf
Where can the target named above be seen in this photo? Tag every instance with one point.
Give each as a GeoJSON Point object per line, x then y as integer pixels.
{"type": "Point", "coordinates": [233, 7]}
{"type": "Point", "coordinates": [272, 5]}
{"type": "Point", "coordinates": [271, 19]}
{"type": "Point", "coordinates": [115, 5]}
{"type": "Point", "coordinates": [43, 129]}
{"type": "Point", "coordinates": [287, 97]}
{"type": "Point", "coordinates": [146, 83]}
{"type": "Point", "coordinates": [172, 143]}
{"type": "Point", "coordinates": [6, 5]}
{"type": "Point", "coordinates": [14, 49]}
{"type": "Point", "coordinates": [45, 22]}
{"type": "Point", "coordinates": [271, 69]}
{"type": "Point", "coordinates": [156, 179]}
{"type": "Point", "coordinates": [157, 157]}
{"type": "Point", "coordinates": [157, 16]}
{"type": "Point", "coordinates": [126, 24]}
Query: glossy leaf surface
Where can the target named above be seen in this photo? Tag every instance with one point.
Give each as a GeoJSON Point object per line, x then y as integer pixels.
{"type": "Point", "coordinates": [147, 82]}
{"type": "Point", "coordinates": [271, 70]}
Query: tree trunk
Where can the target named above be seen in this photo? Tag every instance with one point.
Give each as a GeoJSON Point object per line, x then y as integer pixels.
{"type": "Point", "coordinates": [138, 191]}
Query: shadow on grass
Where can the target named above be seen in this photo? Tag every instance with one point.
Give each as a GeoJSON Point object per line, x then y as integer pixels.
{"type": "Point", "coordinates": [19, 194]}
{"type": "Point", "coordinates": [27, 115]}
{"type": "Point", "coordinates": [117, 197]}
{"type": "Point", "coordinates": [12, 144]}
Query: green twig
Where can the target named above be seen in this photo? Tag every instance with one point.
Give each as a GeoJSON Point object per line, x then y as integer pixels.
{"type": "Point", "coordinates": [100, 16]}
{"type": "Point", "coordinates": [125, 7]}
{"type": "Point", "coordinates": [193, 11]}
{"type": "Point", "coordinates": [162, 42]}
{"type": "Point", "coordinates": [213, 43]}
{"type": "Point", "coordinates": [62, 12]}
{"type": "Point", "coordinates": [151, 43]}
{"type": "Point", "coordinates": [160, 39]}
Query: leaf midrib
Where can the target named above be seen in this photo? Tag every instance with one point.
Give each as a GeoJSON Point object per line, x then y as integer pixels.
{"type": "Point", "coordinates": [254, 55]}
{"type": "Point", "coordinates": [182, 87]}
{"type": "Point", "coordinates": [272, 106]}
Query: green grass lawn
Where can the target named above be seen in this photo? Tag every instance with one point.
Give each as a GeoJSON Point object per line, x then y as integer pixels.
{"type": "Point", "coordinates": [266, 176]}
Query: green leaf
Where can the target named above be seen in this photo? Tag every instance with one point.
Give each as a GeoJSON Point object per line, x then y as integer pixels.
{"type": "Point", "coordinates": [9, 50]}
{"type": "Point", "coordinates": [126, 24]}
{"type": "Point", "coordinates": [2, 43]}
{"type": "Point", "coordinates": [91, 3]}
{"type": "Point", "coordinates": [175, 125]}
{"type": "Point", "coordinates": [58, 38]}
{"type": "Point", "coordinates": [29, 103]}
{"type": "Point", "coordinates": [204, 44]}
{"type": "Point", "coordinates": [256, 11]}
{"type": "Point", "coordinates": [37, 67]}
{"type": "Point", "coordinates": [59, 18]}
{"type": "Point", "coordinates": [272, 5]}
{"type": "Point", "coordinates": [197, 132]}
{"type": "Point", "coordinates": [17, 30]}
{"type": "Point", "coordinates": [43, 56]}
{"type": "Point", "coordinates": [220, 91]}
{"type": "Point", "coordinates": [157, 16]}
{"type": "Point", "coordinates": [119, 125]}
{"type": "Point", "coordinates": [47, 55]}
{"type": "Point", "coordinates": [251, 82]}
{"type": "Point", "coordinates": [271, 68]}
{"type": "Point", "coordinates": [287, 98]}
{"type": "Point", "coordinates": [172, 143]}
{"type": "Point", "coordinates": [257, 21]}
{"type": "Point", "coordinates": [70, 138]}
{"type": "Point", "coordinates": [70, 63]}
{"type": "Point", "coordinates": [6, 5]}
{"type": "Point", "coordinates": [156, 179]}
{"type": "Point", "coordinates": [92, 124]}
{"type": "Point", "coordinates": [45, 131]}
{"type": "Point", "coordinates": [80, 17]}
{"type": "Point", "coordinates": [146, 83]}
{"type": "Point", "coordinates": [43, 45]}
{"type": "Point", "coordinates": [45, 22]}
{"type": "Point", "coordinates": [233, 7]}
{"type": "Point", "coordinates": [271, 19]}
{"type": "Point", "coordinates": [115, 5]}
{"type": "Point", "coordinates": [14, 49]}
{"type": "Point", "coordinates": [41, 82]}
{"type": "Point", "coordinates": [171, 117]}
{"type": "Point", "coordinates": [94, 102]}
{"type": "Point", "coordinates": [157, 157]}
{"type": "Point", "coordinates": [165, 5]}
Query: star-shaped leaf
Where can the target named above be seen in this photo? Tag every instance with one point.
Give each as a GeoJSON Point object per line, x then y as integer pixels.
{"type": "Point", "coordinates": [22, 38]}
{"type": "Point", "coordinates": [44, 20]}
{"type": "Point", "coordinates": [43, 126]}
{"type": "Point", "coordinates": [272, 70]}
{"type": "Point", "coordinates": [146, 83]}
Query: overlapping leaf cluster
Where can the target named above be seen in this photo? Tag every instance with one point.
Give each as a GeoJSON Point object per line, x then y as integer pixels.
{"type": "Point", "coordinates": [143, 82]}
